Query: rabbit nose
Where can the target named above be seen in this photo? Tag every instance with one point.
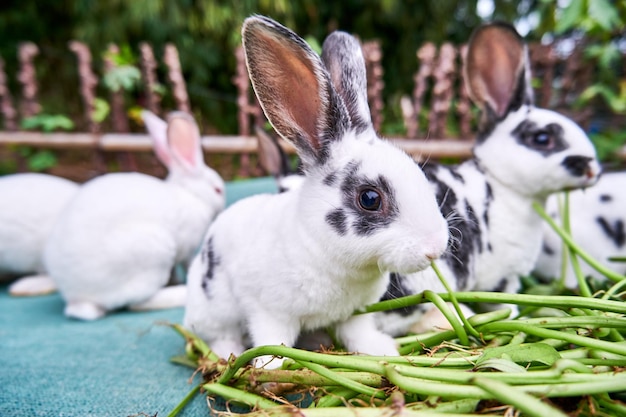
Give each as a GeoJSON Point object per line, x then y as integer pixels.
{"type": "Point", "coordinates": [578, 165]}
{"type": "Point", "coordinates": [432, 256]}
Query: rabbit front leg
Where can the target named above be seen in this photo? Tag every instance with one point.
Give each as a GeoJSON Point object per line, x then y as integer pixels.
{"type": "Point", "coordinates": [359, 334]}
{"type": "Point", "coordinates": [266, 328]}
{"type": "Point", "coordinates": [84, 310]}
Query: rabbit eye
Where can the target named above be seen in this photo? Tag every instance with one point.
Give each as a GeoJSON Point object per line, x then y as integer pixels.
{"type": "Point", "coordinates": [370, 199]}
{"type": "Point", "coordinates": [542, 139]}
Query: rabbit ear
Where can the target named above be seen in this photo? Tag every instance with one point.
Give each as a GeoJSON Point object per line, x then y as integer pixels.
{"type": "Point", "coordinates": [294, 88]}
{"type": "Point", "coordinates": [343, 57]}
{"type": "Point", "coordinates": [497, 70]}
{"type": "Point", "coordinates": [271, 156]}
{"type": "Point", "coordinates": [183, 137]}
{"type": "Point", "coordinates": [157, 129]}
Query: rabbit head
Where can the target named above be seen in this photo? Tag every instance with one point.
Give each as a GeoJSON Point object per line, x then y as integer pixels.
{"type": "Point", "coordinates": [371, 194]}
{"type": "Point", "coordinates": [177, 144]}
{"type": "Point", "coordinates": [531, 150]}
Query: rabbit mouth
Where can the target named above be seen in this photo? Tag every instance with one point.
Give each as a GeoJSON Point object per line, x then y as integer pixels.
{"type": "Point", "coordinates": [416, 264]}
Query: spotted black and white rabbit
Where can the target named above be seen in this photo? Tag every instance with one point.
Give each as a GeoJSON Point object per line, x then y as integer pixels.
{"type": "Point", "coordinates": [597, 221]}
{"type": "Point", "coordinates": [522, 155]}
{"type": "Point", "coordinates": [274, 265]}
{"type": "Point", "coordinates": [117, 241]}
{"type": "Point", "coordinates": [30, 204]}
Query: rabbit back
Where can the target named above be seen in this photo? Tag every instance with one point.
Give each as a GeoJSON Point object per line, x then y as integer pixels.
{"type": "Point", "coordinates": [119, 238]}
{"type": "Point", "coordinates": [29, 206]}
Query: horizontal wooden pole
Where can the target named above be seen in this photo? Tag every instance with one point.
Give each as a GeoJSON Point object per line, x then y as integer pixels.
{"type": "Point", "coordinates": [420, 149]}
{"type": "Point", "coordinates": [116, 142]}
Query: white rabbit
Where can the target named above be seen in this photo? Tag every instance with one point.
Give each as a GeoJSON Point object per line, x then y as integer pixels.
{"type": "Point", "coordinates": [29, 205]}
{"type": "Point", "coordinates": [116, 243]}
{"type": "Point", "coordinates": [522, 155]}
{"type": "Point", "coordinates": [274, 265]}
{"type": "Point", "coordinates": [597, 221]}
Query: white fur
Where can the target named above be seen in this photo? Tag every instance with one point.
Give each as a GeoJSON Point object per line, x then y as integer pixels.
{"type": "Point", "coordinates": [277, 267]}
{"type": "Point", "coordinates": [117, 242]}
{"type": "Point", "coordinates": [29, 206]}
{"type": "Point", "coordinates": [586, 207]}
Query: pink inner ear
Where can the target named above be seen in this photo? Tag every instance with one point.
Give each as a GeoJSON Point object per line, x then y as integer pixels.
{"type": "Point", "coordinates": [184, 140]}
{"type": "Point", "coordinates": [161, 151]}
{"type": "Point", "coordinates": [495, 60]}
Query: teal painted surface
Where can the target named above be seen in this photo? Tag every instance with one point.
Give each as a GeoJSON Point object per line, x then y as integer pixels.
{"type": "Point", "coordinates": [117, 366]}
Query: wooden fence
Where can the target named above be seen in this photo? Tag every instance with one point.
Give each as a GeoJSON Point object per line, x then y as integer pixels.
{"type": "Point", "coordinates": [438, 116]}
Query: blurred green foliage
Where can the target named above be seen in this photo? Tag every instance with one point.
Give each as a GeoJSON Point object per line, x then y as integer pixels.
{"type": "Point", "coordinates": [206, 33]}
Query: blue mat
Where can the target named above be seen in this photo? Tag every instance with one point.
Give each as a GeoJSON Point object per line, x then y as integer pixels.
{"type": "Point", "coordinates": [117, 366]}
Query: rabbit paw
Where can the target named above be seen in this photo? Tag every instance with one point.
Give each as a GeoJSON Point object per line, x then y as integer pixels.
{"type": "Point", "coordinates": [434, 319]}
{"type": "Point", "coordinates": [32, 285]}
{"type": "Point", "coordinates": [268, 362]}
{"type": "Point", "coordinates": [84, 310]}
{"type": "Point", "coordinates": [359, 334]}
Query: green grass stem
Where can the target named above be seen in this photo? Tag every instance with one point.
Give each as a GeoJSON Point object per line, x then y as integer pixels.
{"type": "Point", "coordinates": [504, 393]}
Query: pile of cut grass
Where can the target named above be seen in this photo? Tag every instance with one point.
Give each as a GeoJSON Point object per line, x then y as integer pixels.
{"type": "Point", "coordinates": [564, 357]}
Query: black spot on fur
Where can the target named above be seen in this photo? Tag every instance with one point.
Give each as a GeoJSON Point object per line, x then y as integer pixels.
{"type": "Point", "coordinates": [606, 198]}
{"type": "Point", "coordinates": [397, 289]}
{"type": "Point", "coordinates": [547, 249]}
{"type": "Point", "coordinates": [467, 241]}
{"type": "Point", "coordinates": [614, 231]}
{"type": "Point", "coordinates": [477, 165]}
{"type": "Point", "coordinates": [455, 174]}
{"type": "Point", "coordinates": [351, 215]}
{"type": "Point", "coordinates": [465, 236]}
{"type": "Point", "coordinates": [338, 221]}
{"type": "Point", "coordinates": [488, 200]}
{"type": "Point", "coordinates": [445, 196]}
{"type": "Point", "coordinates": [330, 179]}
{"type": "Point", "coordinates": [367, 222]}
{"type": "Point", "coordinates": [212, 261]}
{"type": "Point", "coordinates": [577, 165]}
{"type": "Point", "coordinates": [546, 140]}
{"type": "Point", "coordinates": [500, 286]}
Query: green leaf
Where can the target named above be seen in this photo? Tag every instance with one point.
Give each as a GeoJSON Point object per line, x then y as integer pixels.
{"type": "Point", "coordinates": [609, 54]}
{"type": "Point", "coordinates": [525, 354]}
{"type": "Point", "coordinates": [571, 16]}
{"type": "Point", "coordinates": [500, 364]}
{"type": "Point", "coordinates": [315, 45]}
{"type": "Point", "coordinates": [616, 102]}
{"type": "Point", "coordinates": [604, 13]}
{"type": "Point", "coordinates": [47, 122]}
{"type": "Point", "coordinates": [42, 160]}
{"type": "Point", "coordinates": [101, 110]}
{"type": "Point", "coordinates": [125, 77]}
